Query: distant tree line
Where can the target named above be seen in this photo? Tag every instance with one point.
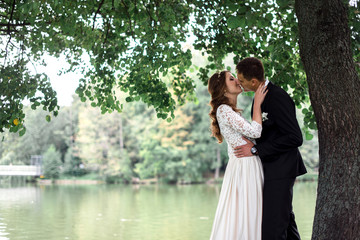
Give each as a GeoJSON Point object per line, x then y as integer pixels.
{"type": "Point", "coordinates": [119, 147]}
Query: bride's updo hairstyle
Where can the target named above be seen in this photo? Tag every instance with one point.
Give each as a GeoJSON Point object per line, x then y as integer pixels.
{"type": "Point", "coordinates": [217, 90]}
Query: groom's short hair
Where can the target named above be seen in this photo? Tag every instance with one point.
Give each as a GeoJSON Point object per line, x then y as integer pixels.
{"type": "Point", "coordinates": [251, 67]}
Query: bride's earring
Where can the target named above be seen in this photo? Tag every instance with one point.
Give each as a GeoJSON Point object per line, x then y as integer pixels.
{"type": "Point", "coordinates": [225, 93]}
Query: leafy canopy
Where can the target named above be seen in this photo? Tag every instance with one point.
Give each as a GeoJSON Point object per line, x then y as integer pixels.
{"type": "Point", "coordinates": [132, 44]}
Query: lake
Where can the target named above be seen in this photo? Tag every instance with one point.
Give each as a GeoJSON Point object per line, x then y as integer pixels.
{"type": "Point", "coordinates": [127, 212]}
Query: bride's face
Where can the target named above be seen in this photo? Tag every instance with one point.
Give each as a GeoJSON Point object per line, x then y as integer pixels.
{"type": "Point", "coordinates": [232, 84]}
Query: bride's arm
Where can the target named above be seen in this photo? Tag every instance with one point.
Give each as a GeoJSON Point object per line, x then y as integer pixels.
{"type": "Point", "coordinates": [258, 99]}
{"type": "Point", "coordinates": [251, 130]}
{"type": "Point", "coordinates": [231, 118]}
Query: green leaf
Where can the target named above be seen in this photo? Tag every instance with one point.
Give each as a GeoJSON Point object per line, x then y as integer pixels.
{"type": "Point", "coordinates": [251, 19]}
{"type": "Point", "coordinates": [283, 3]}
{"type": "Point", "coordinates": [22, 132]}
{"type": "Point", "coordinates": [308, 136]}
{"type": "Point", "coordinates": [312, 125]}
{"type": "Point", "coordinates": [269, 17]}
{"type": "Point", "coordinates": [233, 7]}
{"type": "Point", "coordinates": [103, 110]}
{"type": "Point", "coordinates": [234, 22]}
{"type": "Point", "coordinates": [48, 118]}
{"type": "Point", "coordinates": [244, 9]}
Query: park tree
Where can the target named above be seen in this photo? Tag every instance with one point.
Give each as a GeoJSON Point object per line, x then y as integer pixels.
{"type": "Point", "coordinates": [40, 135]}
{"type": "Point", "coordinates": [52, 163]}
{"type": "Point", "coordinates": [310, 48]}
{"type": "Point", "coordinates": [326, 52]}
{"type": "Point", "coordinates": [115, 44]}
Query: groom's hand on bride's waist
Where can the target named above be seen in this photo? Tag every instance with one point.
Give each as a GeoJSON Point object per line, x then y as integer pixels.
{"type": "Point", "coordinates": [244, 150]}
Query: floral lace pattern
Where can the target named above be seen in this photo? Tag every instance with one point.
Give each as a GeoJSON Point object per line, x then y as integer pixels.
{"type": "Point", "coordinates": [233, 126]}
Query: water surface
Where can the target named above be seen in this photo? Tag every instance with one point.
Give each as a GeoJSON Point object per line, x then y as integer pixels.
{"type": "Point", "coordinates": [127, 212]}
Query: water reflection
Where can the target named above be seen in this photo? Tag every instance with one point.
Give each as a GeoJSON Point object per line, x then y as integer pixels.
{"type": "Point", "coordinates": [304, 206]}
{"type": "Point", "coordinates": [122, 212]}
{"type": "Point", "coordinates": [3, 232]}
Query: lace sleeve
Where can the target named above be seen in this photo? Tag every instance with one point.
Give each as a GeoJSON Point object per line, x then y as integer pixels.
{"type": "Point", "coordinates": [228, 116]}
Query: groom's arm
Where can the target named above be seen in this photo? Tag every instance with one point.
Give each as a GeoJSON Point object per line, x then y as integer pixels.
{"type": "Point", "coordinates": [282, 111]}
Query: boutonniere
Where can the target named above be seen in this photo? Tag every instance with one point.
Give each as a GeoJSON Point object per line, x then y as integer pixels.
{"type": "Point", "coordinates": [264, 116]}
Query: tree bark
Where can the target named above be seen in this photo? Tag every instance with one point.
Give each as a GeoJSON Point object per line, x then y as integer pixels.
{"type": "Point", "coordinates": [325, 50]}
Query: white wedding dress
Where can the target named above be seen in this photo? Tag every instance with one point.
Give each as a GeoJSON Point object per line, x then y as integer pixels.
{"type": "Point", "coordinates": [239, 211]}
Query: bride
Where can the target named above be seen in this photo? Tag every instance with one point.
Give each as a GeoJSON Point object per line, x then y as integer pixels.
{"type": "Point", "coordinates": [239, 211]}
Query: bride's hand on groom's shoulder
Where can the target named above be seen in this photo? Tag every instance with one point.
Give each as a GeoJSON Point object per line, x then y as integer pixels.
{"type": "Point", "coordinates": [260, 93]}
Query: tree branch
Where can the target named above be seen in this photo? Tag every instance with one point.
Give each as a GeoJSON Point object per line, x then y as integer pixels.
{"type": "Point", "coordinates": [6, 49]}
{"type": "Point", "coordinates": [10, 27]}
{"type": "Point", "coordinates": [6, 31]}
{"type": "Point", "coordinates": [108, 24]}
{"type": "Point", "coordinates": [11, 16]}
{"type": "Point", "coordinates": [149, 13]}
{"type": "Point", "coordinates": [96, 13]}
{"type": "Point", "coordinates": [14, 24]}
{"type": "Point", "coordinates": [130, 26]}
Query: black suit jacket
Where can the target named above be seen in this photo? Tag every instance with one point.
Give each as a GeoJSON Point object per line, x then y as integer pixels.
{"type": "Point", "coordinates": [280, 137]}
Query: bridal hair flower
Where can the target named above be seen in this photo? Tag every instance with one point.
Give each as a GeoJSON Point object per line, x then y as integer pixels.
{"type": "Point", "coordinates": [264, 116]}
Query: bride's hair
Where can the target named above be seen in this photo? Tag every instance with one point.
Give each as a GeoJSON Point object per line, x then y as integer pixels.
{"type": "Point", "coordinates": [217, 89]}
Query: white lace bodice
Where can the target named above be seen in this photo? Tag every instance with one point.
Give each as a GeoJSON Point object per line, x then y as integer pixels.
{"type": "Point", "coordinates": [233, 126]}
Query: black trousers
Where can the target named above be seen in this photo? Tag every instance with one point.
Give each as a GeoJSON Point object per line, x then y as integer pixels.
{"type": "Point", "coordinates": [278, 218]}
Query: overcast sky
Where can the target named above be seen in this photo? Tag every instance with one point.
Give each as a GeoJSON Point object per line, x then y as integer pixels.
{"type": "Point", "coordinates": [65, 84]}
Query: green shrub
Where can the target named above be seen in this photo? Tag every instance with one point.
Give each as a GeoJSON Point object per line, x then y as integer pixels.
{"type": "Point", "coordinates": [52, 163]}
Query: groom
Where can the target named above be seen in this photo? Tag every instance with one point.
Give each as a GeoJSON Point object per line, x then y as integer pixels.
{"type": "Point", "coordinates": [278, 150]}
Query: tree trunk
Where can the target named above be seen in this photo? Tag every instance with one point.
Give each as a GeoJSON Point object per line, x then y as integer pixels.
{"type": "Point", "coordinates": [121, 138]}
{"type": "Point", "coordinates": [325, 50]}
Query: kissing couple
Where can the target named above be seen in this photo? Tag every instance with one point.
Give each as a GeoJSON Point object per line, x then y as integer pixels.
{"type": "Point", "coordinates": [264, 160]}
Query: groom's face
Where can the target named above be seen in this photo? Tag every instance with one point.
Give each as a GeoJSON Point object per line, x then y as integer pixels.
{"type": "Point", "coordinates": [246, 84]}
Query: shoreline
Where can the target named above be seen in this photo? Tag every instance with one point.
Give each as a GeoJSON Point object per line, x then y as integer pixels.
{"type": "Point", "coordinates": [93, 180]}
{"type": "Point", "coordinates": [311, 177]}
